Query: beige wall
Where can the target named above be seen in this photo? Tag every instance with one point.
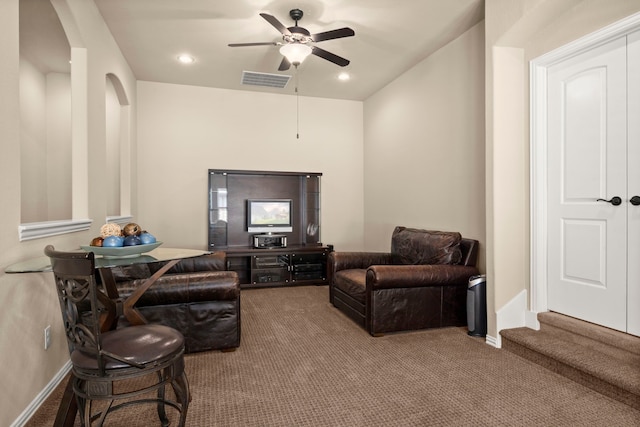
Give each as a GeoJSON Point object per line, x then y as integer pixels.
{"type": "Point", "coordinates": [58, 147]}
{"type": "Point", "coordinates": [424, 146]}
{"type": "Point", "coordinates": [186, 130]}
{"type": "Point", "coordinates": [518, 31]}
{"type": "Point", "coordinates": [33, 133]}
{"type": "Point", "coordinates": [29, 300]}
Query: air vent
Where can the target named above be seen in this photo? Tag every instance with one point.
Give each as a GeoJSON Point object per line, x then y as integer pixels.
{"type": "Point", "coordinates": [265, 79]}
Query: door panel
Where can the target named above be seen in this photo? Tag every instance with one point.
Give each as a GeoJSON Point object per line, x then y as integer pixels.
{"type": "Point", "coordinates": [583, 247]}
{"type": "Point", "coordinates": [584, 143]}
{"type": "Point", "coordinates": [587, 265]}
{"type": "Point", "coordinates": [633, 171]}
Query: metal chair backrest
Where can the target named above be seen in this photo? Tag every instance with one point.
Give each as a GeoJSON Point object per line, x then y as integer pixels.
{"type": "Point", "coordinates": [74, 274]}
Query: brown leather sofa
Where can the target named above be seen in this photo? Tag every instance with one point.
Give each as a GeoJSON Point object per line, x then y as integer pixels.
{"type": "Point", "coordinates": [196, 296]}
{"type": "Point", "coordinates": [422, 283]}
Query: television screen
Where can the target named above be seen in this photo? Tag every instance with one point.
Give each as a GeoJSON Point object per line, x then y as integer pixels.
{"type": "Point", "coordinates": [269, 215]}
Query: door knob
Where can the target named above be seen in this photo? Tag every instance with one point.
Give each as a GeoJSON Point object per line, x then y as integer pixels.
{"type": "Point", "coordinates": [635, 200]}
{"type": "Point", "coordinates": [615, 201]}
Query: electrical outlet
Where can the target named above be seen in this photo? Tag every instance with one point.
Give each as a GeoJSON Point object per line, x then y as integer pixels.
{"type": "Point", "coordinates": [47, 337]}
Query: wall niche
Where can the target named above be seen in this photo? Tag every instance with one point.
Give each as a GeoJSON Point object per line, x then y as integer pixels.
{"type": "Point", "coordinates": [45, 111]}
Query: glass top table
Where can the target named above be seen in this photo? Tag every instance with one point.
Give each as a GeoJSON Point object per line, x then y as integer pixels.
{"type": "Point", "coordinates": [42, 264]}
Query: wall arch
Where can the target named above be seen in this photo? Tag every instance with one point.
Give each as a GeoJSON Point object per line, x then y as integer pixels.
{"type": "Point", "coordinates": [117, 147]}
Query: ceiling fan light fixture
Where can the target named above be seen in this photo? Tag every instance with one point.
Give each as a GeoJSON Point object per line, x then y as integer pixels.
{"type": "Point", "coordinates": [186, 59]}
{"type": "Point", "coordinates": [295, 52]}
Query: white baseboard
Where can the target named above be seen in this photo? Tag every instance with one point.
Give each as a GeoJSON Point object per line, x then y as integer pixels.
{"type": "Point", "coordinates": [511, 315]}
{"type": "Point", "coordinates": [531, 320]}
{"type": "Point", "coordinates": [492, 341]}
{"type": "Point", "coordinates": [42, 396]}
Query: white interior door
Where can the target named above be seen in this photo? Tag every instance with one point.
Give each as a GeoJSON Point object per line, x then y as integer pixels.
{"type": "Point", "coordinates": [587, 161]}
{"type": "Point", "coordinates": [633, 172]}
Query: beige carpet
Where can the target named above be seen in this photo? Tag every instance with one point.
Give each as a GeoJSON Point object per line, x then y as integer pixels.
{"type": "Point", "coordinates": [302, 363]}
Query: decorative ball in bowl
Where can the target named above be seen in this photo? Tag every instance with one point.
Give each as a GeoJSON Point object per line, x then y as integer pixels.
{"type": "Point", "coordinates": [122, 242]}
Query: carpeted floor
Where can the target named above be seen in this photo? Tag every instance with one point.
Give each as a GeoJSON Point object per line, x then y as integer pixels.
{"type": "Point", "coordinates": [303, 363]}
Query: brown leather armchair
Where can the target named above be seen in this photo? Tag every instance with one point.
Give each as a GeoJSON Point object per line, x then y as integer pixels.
{"type": "Point", "coordinates": [196, 296]}
{"type": "Point", "coordinates": [422, 283]}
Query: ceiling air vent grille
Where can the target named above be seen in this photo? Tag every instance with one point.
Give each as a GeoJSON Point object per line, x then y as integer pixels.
{"type": "Point", "coordinates": [265, 79]}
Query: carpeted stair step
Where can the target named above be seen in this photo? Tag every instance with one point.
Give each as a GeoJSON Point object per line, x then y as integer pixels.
{"type": "Point", "coordinates": [606, 336]}
{"type": "Point", "coordinates": [602, 359]}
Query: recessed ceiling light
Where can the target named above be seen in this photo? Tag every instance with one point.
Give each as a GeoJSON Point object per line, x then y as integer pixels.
{"type": "Point", "coordinates": [186, 59]}
{"type": "Point", "coordinates": [344, 76]}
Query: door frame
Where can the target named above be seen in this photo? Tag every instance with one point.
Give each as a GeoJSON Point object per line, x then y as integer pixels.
{"type": "Point", "coordinates": [538, 152]}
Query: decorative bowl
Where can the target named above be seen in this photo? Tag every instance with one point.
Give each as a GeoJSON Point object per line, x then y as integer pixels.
{"type": "Point", "coordinates": [121, 251]}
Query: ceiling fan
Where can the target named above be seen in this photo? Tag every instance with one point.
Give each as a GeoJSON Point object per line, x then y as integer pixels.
{"type": "Point", "coordinates": [297, 42]}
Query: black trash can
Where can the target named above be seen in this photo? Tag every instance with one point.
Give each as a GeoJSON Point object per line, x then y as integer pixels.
{"type": "Point", "coordinates": [477, 306]}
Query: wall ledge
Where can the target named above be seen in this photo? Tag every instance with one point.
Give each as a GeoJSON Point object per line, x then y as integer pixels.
{"type": "Point", "coordinates": [38, 230]}
{"type": "Point", "coordinates": [121, 220]}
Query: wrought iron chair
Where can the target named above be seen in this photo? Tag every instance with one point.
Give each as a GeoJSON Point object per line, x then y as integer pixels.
{"type": "Point", "coordinates": [108, 366]}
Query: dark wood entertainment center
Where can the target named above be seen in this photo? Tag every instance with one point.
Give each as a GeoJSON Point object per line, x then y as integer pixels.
{"type": "Point", "coordinates": [304, 258]}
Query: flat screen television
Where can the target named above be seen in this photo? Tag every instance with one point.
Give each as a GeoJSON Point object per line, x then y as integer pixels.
{"type": "Point", "coordinates": [269, 215]}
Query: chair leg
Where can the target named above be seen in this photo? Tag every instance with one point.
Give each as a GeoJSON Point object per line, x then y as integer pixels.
{"type": "Point", "coordinates": [179, 384]}
{"type": "Point", "coordinates": [162, 413]}
{"type": "Point", "coordinates": [83, 405]}
{"type": "Point", "coordinates": [181, 388]}
{"type": "Point", "coordinates": [104, 413]}
{"type": "Point", "coordinates": [86, 412]}
{"type": "Point", "coordinates": [185, 385]}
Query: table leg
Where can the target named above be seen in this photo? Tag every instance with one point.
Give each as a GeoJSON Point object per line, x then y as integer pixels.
{"type": "Point", "coordinates": [68, 408]}
{"type": "Point", "coordinates": [129, 311]}
{"type": "Point", "coordinates": [115, 306]}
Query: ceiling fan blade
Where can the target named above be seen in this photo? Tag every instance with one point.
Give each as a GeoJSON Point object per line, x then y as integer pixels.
{"type": "Point", "coordinates": [329, 56]}
{"type": "Point", "coordinates": [284, 65]}
{"type": "Point", "coordinates": [253, 44]}
{"type": "Point", "coordinates": [277, 24]}
{"type": "Point", "coordinates": [333, 34]}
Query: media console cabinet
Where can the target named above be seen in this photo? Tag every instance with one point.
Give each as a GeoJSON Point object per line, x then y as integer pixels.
{"type": "Point", "coordinates": [290, 266]}
{"type": "Point", "coordinates": [304, 258]}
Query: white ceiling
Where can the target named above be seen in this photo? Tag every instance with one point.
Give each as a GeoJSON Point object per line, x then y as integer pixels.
{"type": "Point", "coordinates": [390, 37]}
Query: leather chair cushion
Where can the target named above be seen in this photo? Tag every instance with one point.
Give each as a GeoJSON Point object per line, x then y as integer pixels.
{"type": "Point", "coordinates": [352, 282]}
{"type": "Point", "coordinates": [185, 288]}
{"type": "Point", "coordinates": [412, 246]}
{"type": "Point", "coordinates": [215, 261]}
{"type": "Point", "coordinates": [140, 344]}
